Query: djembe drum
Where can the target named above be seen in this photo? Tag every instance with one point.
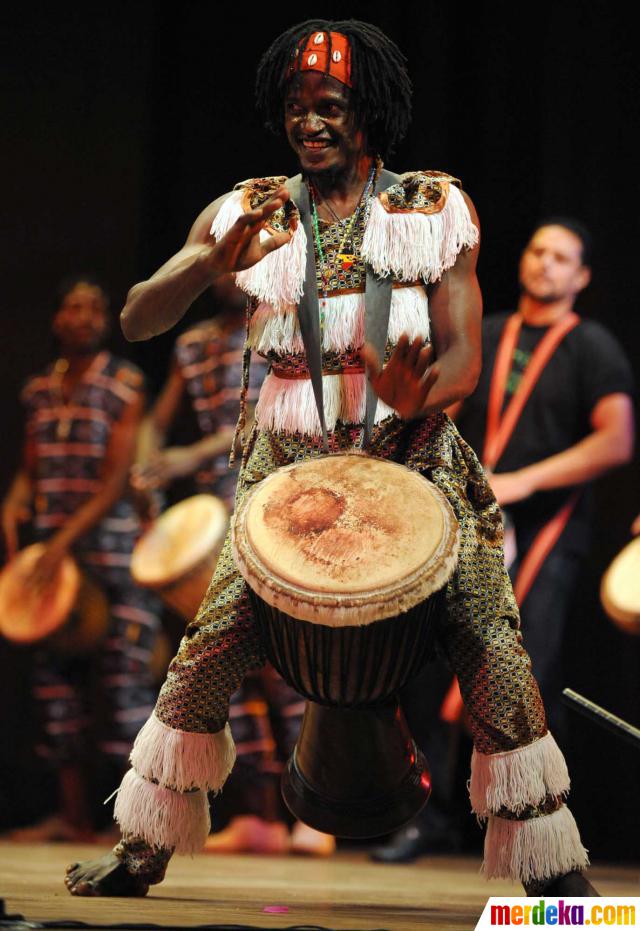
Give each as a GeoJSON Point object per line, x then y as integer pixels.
{"type": "Point", "coordinates": [620, 589]}
{"type": "Point", "coordinates": [177, 555]}
{"type": "Point", "coordinates": [69, 616]}
{"type": "Point", "coordinates": [346, 558]}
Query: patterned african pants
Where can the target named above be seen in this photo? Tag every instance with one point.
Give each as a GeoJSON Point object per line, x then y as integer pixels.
{"type": "Point", "coordinates": [479, 635]}
{"type": "Point", "coordinates": [519, 777]}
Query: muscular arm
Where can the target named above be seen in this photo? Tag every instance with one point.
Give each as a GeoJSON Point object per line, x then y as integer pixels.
{"type": "Point", "coordinates": [610, 444]}
{"type": "Point", "coordinates": [156, 305]}
{"type": "Point", "coordinates": [455, 308]}
{"type": "Point", "coordinates": [412, 382]}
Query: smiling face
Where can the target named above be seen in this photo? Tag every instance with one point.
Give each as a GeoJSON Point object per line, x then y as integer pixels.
{"type": "Point", "coordinates": [320, 125]}
{"type": "Point", "coordinates": [551, 267]}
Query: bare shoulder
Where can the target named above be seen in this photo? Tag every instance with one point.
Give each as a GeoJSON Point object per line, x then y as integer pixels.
{"type": "Point", "coordinates": [201, 229]}
{"type": "Point", "coordinates": [471, 207]}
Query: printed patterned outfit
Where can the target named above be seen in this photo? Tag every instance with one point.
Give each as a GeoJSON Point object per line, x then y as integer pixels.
{"type": "Point", "coordinates": [413, 231]}
{"type": "Point", "coordinates": [70, 442]}
{"type": "Point", "coordinates": [265, 712]}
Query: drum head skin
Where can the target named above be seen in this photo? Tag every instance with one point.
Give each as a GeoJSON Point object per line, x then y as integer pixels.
{"type": "Point", "coordinates": [620, 588]}
{"type": "Point", "coordinates": [26, 614]}
{"type": "Point", "coordinates": [345, 539]}
{"type": "Point", "coordinates": [179, 540]}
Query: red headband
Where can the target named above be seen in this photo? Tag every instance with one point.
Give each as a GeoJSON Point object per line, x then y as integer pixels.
{"type": "Point", "coordinates": [315, 56]}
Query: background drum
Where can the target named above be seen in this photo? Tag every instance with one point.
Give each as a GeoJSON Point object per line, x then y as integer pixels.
{"type": "Point", "coordinates": [346, 558]}
{"type": "Point", "coordinates": [70, 615]}
{"type": "Point", "coordinates": [620, 589]}
{"type": "Point", "coordinates": [177, 555]}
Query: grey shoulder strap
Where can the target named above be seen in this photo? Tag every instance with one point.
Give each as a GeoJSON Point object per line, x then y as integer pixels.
{"type": "Point", "coordinates": [377, 306]}
{"type": "Point", "coordinates": [376, 315]}
{"type": "Point", "coordinates": [309, 308]}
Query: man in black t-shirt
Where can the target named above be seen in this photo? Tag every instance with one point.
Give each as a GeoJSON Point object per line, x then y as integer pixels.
{"type": "Point", "coordinates": [575, 424]}
{"type": "Point", "coordinates": [542, 440]}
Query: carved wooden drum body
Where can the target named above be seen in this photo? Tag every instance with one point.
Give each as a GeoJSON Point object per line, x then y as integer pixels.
{"type": "Point", "coordinates": [346, 558]}
{"type": "Point", "coordinates": [620, 589]}
{"type": "Point", "coordinates": [177, 555]}
{"type": "Point", "coordinates": [70, 615]}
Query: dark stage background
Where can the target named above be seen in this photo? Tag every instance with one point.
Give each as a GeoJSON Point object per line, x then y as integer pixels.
{"type": "Point", "coordinates": [121, 123]}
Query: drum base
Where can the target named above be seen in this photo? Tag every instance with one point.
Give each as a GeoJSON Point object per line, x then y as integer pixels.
{"type": "Point", "coordinates": [355, 772]}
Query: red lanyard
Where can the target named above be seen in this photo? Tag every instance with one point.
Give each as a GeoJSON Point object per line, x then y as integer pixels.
{"type": "Point", "coordinates": [500, 427]}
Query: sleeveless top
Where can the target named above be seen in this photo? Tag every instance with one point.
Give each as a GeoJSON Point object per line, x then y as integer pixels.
{"type": "Point", "coordinates": [413, 232]}
{"type": "Point", "coordinates": [70, 441]}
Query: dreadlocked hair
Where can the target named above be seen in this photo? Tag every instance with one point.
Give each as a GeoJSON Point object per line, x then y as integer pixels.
{"type": "Point", "coordinates": [381, 86]}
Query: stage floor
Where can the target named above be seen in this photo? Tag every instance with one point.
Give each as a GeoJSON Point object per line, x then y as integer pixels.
{"type": "Point", "coordinates": [343, 892]}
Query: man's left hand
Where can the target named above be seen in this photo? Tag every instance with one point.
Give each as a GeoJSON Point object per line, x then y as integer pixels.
{"type": "Point", "coordinates": [406, 380]}
{"type": "Point", "coordinates": [49, 563]}
{"type": "Point", "coordinates": [509, 487]}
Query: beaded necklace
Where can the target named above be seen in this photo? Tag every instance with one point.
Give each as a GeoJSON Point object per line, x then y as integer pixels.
{"type": "Point", "coordinates": [345, 258]}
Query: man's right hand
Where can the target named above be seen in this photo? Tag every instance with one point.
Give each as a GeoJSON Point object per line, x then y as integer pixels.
{"type": "Point", "coordinates": [163, 467]}
{"type": "Point", "coordinates": [14, 513]}
{"type": "Point", "coordinates": [242, 246]}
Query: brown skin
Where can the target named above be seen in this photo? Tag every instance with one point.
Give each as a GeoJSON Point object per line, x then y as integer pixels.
{"type": "Point", "coordinates": [317, 110]}
{"type": "Point", "coordinates": [80, 325]}
{"type": "Point", "coordinates": [552, 275]}
{"type": "Point", "coordinates": [156, 464]}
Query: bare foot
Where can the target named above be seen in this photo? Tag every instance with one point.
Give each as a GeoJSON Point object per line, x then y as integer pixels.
{"type": "Point", "coordinates": [52, 829]}
{"type": "Point", "coordinates": [249, 834]}
{"type": "Point", "coordinates": [105, 876]}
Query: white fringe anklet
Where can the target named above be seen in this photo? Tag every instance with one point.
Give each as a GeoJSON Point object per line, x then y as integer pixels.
{"type": "Point", "coordinates": [182, 760]}
{"type": "Point", "coordinates": [163, 817]}
{"type": "Point", "coordinates": [538, 848]}
{"type": "Point", "coordinates": [517, 778]}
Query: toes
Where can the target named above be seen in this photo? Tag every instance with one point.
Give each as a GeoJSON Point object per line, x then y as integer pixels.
{"type": "Point", "coordinates": [72, 867]}
{"type": "Point", "coordinates": [84, 887]}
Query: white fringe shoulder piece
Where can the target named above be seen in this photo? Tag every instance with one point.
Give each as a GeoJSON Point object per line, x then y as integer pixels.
{"type": "Point", "coordinates": [278, 278]}
{"type": "Point", "coordinates": [415, 230]}
{"type": "Point", "coordinates": [418, 227]}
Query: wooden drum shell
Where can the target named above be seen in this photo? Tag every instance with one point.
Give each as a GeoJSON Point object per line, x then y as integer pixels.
{"type": "Point", "coordinates": [349, 666]}
{"type": "Point", "coordinates": [620, 589]}
{"type": "Point", "coordinates": [69, 617]}
{"type": "Point", "coordinates": [177, 555]}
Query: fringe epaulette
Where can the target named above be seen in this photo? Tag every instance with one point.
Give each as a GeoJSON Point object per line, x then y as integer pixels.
{"type": "Point", "coordinates": [418, 192]}
{"type": "Point", "coordinates": [418, 227]}
{"type": "Point", "coordinates": [256, 191]}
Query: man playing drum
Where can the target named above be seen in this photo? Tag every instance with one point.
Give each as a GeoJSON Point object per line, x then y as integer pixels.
{"type": "Point", "coordinates": [82, 415]}
{"type": "Point", "coordinates": [391, 260]}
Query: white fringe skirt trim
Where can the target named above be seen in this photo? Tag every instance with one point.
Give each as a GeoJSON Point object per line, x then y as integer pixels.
{"type": "Point", "coordinates": [278, 278]}
{"type": "Point", "coordinates": [417, 245]}
{"type": "Point", "coordinates": [278, 330]}
{"type": "Point", "coordinates": [182, 760]}
{"type": "Point", "coordinates": [288, 405]}
{"type": "Point", "coordinates": [517, 778]}
{"type": "Point", "coordinates": [163, 817]}
{"type": "Point", "coordinates": [539, 848]}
